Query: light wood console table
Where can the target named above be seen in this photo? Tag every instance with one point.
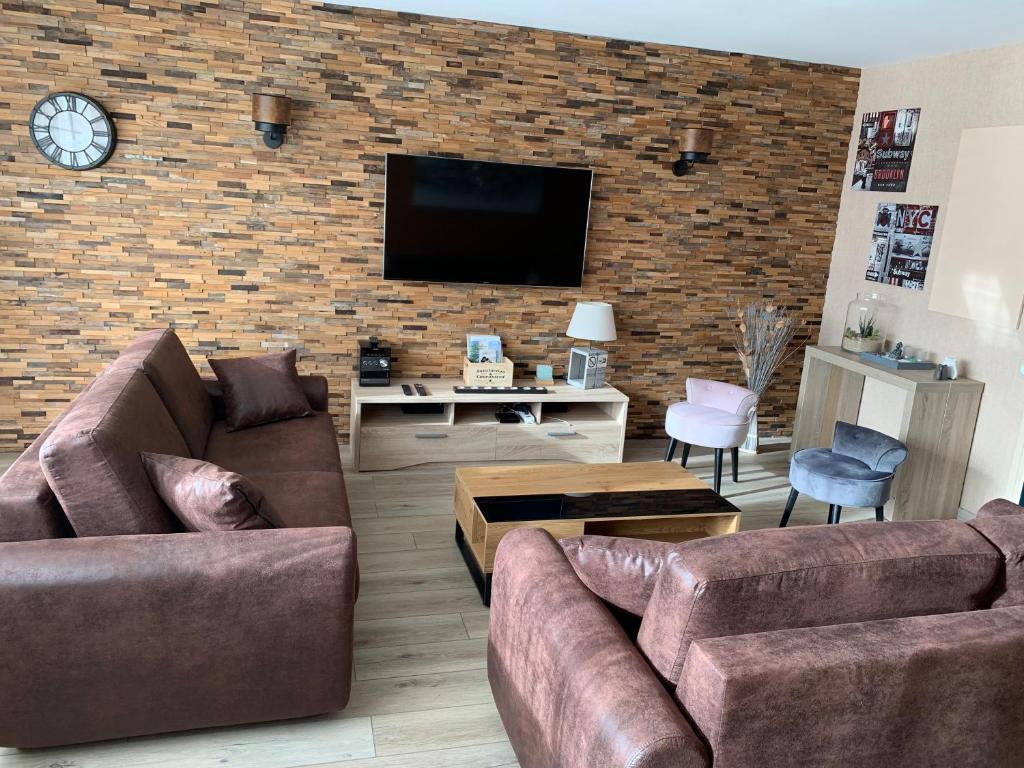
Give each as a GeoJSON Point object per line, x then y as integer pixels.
{"type": "Point", "coordinates": [935, 419]}
{"type": "Point", "coordinates": [580, 425]}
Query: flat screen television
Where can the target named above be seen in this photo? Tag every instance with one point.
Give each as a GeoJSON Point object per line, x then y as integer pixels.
{"type": "Point", "coordinates": [467, 221]}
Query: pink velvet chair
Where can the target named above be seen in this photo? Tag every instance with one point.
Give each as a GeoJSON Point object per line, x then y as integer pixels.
{"type": "Point", "coordinates": [714, 415]}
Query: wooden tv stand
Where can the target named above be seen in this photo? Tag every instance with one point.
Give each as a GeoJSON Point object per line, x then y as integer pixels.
{"type": "Point", "coordinates": [581, 425]}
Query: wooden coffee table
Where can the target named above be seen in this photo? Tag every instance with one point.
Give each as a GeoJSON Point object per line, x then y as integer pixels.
{"type": "Point", "coordinates": [651, 500]}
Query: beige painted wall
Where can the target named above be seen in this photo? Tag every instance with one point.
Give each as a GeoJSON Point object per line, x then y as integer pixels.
{"type": "Point", "coordinates": [968, 90]}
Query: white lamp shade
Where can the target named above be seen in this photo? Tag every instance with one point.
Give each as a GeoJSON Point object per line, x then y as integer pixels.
{"type": "Point", "coordinates": [593, 321]}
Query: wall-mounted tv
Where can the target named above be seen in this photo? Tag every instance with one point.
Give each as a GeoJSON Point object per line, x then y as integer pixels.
{"type": "Point", "coordinates": [468, 221]}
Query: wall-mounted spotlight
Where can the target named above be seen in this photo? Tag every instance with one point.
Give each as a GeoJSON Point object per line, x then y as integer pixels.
{"type": "Point", "coordinates": [696, 148]}
{"type": "Point", "coordinates": [272, 115]}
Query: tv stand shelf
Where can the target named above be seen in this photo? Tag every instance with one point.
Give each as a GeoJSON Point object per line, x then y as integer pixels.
{"type": "Point", "coordinates": [580, 425]}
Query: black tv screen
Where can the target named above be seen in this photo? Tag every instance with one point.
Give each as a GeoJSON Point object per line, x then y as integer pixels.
{"type": "Point", "coordinates": [466, 221]}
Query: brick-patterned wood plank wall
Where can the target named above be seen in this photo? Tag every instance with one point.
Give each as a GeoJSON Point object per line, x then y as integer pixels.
{"type": "Point", "coordinates": [194, 223]}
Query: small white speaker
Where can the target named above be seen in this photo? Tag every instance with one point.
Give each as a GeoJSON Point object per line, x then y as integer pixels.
{"type": "Point", "coordinates": [587, 367]}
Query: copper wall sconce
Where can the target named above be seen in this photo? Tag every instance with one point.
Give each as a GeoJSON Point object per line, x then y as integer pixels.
{"type": "Point", "coordinates": [272, 115]}
{"type": "Point", "coordinates": [696, 148]}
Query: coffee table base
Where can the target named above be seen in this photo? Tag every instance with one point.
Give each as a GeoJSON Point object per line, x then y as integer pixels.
{"type": "Point", "coordinates": [481, 579]}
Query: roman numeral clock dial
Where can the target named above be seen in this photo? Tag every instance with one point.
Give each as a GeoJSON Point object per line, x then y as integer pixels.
{"type": "Point", "coordinates": [72, 131]}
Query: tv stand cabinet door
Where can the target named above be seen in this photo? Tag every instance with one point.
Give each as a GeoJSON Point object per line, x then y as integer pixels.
{"type": "Point", "coordinates": [554, 441]}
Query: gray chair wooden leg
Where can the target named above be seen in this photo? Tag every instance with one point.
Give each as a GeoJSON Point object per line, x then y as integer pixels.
{"type": "Point", "coordinates": [736, 465]}
{"type": "Point", "coordinates": [793, 493]}
{"type": "Point", "coordinates": [671, 449]}
{"type": "Point", "coordinates": [880, 514]}
{"type": "Point", "coordinates": [686, 454]}
{"type": "Point", "coordinates": [718, 470]}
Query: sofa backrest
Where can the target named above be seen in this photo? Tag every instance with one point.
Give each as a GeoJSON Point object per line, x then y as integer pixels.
{"type": "Point", "coordinates": [944, 690]}
{"type": "Point", "coordinates": [29, 508]}
{"type": "Point", "coordinates": [165, 361]}
{"type": "Point", "coordinates": [814, 576]}
{"type": "Point", "coordinates": [92, 458]}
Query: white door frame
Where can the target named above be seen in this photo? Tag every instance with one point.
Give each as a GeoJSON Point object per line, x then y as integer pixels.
{"type": "Point", "coordinates": [1017, 471]}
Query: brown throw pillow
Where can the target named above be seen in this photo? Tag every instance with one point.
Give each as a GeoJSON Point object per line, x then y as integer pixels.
{"type": "Point", "coordinates": [205, 497]}
{"type": "Point", "coordinates": [259, 390]}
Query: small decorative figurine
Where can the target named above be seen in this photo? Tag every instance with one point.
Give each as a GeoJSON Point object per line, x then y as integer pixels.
{"type": "Point", "coordinates": [897, 352]}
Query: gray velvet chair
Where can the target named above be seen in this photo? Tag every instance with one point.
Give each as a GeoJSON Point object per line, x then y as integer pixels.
{"type": "Point", "coordinates": [856, 472]}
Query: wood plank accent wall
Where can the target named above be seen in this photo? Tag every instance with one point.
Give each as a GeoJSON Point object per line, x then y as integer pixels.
{"type": "Point", "coordinates": [194, 223]}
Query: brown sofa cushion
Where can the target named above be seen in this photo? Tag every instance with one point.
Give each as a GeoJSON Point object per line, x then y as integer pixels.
{"type": "Point", "coordinates": [313, 386]}
{"type": "Point", "coordinates": [305, 498]}
{"type": "Point", "coordinates": [132, 355]}
{"type": "Point", "coordinates": [620, 571]}
{"type": "Point", "coordinates": [179, 385]}
{"type": "Point", "coordinates": [283, 446]}
{"type": "Point", "coordinates": [93, 461]}
{"type": "Point", "coordinates": [260, 390]}
{"type": "Point", "coordinates": [205, 497]}
{"type": "Point", "coordinates": [815, 576]}
{"type": "Point", "coordinates": [165, 361]}
{"type": "Point", "coordinates": [1006, 532]}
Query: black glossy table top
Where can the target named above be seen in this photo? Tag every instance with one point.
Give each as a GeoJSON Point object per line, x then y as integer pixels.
{"type": "Point", "coordinates": [509, 509]}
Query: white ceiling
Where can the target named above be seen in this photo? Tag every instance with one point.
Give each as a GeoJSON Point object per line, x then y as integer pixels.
{"type": "Point", "coordinates": [856, 33]}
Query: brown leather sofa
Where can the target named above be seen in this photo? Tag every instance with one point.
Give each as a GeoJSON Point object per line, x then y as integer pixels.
{"type": "Point", "coordinates": [856, 645]}
{"type": "Point", "coordinates": [113, 623]}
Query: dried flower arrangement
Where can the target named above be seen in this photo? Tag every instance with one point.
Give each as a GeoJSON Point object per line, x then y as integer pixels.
{"type": "Point", "coordinates": [763, 335]}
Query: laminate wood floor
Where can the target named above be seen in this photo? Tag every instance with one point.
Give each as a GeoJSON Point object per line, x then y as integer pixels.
{"type": "Point", "coordinates": [420, 698]}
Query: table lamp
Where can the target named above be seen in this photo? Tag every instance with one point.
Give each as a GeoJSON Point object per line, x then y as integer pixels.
{"type": "Point", "coordinates": [591, 321]}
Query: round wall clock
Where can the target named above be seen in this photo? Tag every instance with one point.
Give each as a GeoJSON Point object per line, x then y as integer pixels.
{"type": "Point", "coordinates": [72, 131]}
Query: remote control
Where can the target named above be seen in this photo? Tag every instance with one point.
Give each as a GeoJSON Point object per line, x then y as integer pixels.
{"type": "Point", "coordinates": [421, 390]}
{"type": "Point", "coordinates": [407, 389]}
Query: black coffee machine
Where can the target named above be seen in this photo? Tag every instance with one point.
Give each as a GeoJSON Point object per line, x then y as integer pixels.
{"type": "Point", "coordinates": [374, 363]}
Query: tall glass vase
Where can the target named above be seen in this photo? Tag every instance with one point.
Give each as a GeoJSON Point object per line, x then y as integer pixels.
{"type": "Point", "coordinates": [752, 443]}
{"type": "Point", "coordinates": [867, 322]}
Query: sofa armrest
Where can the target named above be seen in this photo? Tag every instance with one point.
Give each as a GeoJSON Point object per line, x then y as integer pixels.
{"type": "Point", "coordinates": [115, 636]}
{"type": "Point", "coordinates": [572, 690]}
{"type": "Point", "coordinates": [1000, 508]}
{"type": "Point", "coordinates": [939, 690]}
{"type": "Point", "coordinates": [314, 387]}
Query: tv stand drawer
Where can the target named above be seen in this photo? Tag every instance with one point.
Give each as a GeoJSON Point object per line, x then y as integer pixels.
{"type": "Point", "coordinates": [590, 442]}
{"type": "Point", "coordinates": [396, 447]}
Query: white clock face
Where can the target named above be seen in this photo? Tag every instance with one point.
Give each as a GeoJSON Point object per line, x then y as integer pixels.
{"type": "Point", "coordinates": [72, 131]}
